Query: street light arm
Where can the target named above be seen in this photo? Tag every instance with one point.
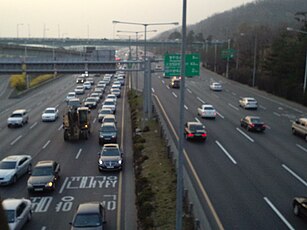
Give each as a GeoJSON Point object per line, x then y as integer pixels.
{"type": "Point", "coordinates": [296, 30]}
{"type": "Point", "coordinates": [146, 24]}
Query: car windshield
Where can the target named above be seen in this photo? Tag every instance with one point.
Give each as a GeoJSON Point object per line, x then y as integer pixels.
{"type": "Point", "coordinates": [110, 152]}
{"type": "Point", "coordinates": [251, 101]}
{"type": "Point", "coordinates": [196, 127]}
{"type": "Point", "coordinates": [10, 216]}
{"type": "Point", "coordinates": [87, 220]}
{"type": "Point", "coordinates": [91, 99]}
{"type": "Point", "coordinates": [105, 111]}
{"type": "Point", "coordinates": [208, 108]}
{"type": "Point", "coordinates": [108, 128]}
{"type": "Point", "coordinates": [42, 171]}
{"type": "Point", "coordinates": [7, 165]}
{"type": "Point", "coordinates": [256, 120]}
{"type": "Point", "coordinates": [49, 111]}
{"type": "Point", "coordinates": [108, 103]}
{"type": "Point", "coordinates": [108, 120]}
{"type": "Point", "coordinates": [16, 115]}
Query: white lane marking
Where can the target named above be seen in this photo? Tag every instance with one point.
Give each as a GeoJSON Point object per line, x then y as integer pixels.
{"type": "Point", "coordinates": [44, 228]}
{"type": "Point", "coordinates": [234, 107]}
{"type": "Point", "coordinates": [153, 90]}
{"type": "Point", "coordinates": [4, 111]}
{"type": "Point", "coordinates": [196, 119]}
{"type": "Point", "coordinates": [57, 106]}
{"type": "Point", "coordinates": [94, 120]}
{"type": "Point", "coordinates": [262, 107]}
{"type": "Point", "coordinates": [225, 151]}
{"type": "Point", "coordinates": [295, 175]}
{"type": "Point", "coordinates": [47, 143]}
{"type": "Point", "coordinates": [63, 185]}
{"type": "Point", "coordinates": [220, 115]}
{"type": "Point", "coordinates": [174, 94]}
{"type": "Point", "coordinates": [202, 101]}
{"type": "Point", "coordinates": [244, 134]}
{"type": "Point", "coordinates": [14, 141]}
{"type": "Point", "coordinates": [277, 114]}
{"type": "Point", "coordinates": [163, 81]}
{"type": "Point", "coordinates": [268, 127]}
{"type": "Point", "coordinates": [278, 213]}
{"type": "Point", "coordinates": [32, 126]}
{"type": "Point", "coordinates": [215, 95]}
{"type": "Point", "coordinates": [301, 147]}
{"type": "Point", "coordinates": [233, 93]}
{"type": "Point", "coordinates": [186, 107]}
{"type": "Point", "coordinates": [78, 154]}
{"type": "Point", "coordinates": [60, 127]}
{"type": "Point", "coordinates": [190, 92]}
{"type": "Point", "coordinates": [167, 87]}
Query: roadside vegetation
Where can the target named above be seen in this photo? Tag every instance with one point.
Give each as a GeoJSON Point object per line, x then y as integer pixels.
{"type": "Point", "coordinates": [19, 81]}
{"type": "Point", "coordinates": [155, 174]}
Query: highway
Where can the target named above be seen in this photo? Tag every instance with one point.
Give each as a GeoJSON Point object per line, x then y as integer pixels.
{"type": "Point", "coordinates": [80, 180]}
{"type": "Point", "coordinates": [250, 178]}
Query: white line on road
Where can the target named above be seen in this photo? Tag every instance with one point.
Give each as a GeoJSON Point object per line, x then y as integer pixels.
{"type": "Point", "coordinates": [60, 127]}
{"type": "Point", "coordinates": [233, 93]}
{"type": "Point", "coordinates": [215, 95]}
{"type": "Point", "coordinates": [234, 107]}
{"type": "Point", "coordinates": [44, 228]}
{"type": "Point", "coordinates": [63, 185]}
{"type": "Point", "coordinates": [301, 147]}
{"type": "Point", "coordinates": [186, 107]}
{"type": "Point", "coordinates": [196, 119]}
{"type": "Point", "coordinates": [94, 120]}
{"type": "Point", "coordinates": [244, 134]}
{"type": "Point", "coordinates": [14, 141]}
{"type": "Point", "coordinates": [47, 143]}
{"type": "Point", "coordinates": [163, 81]}
{"type": "Point", "coordinates": [189, 91]}
{"type": "Point", "coordinates": [202, 101]}
{"type": "Point", "coordinates": [225, 151]}
{"type": "Point", "coordinates": [277, 114]}
{"type": "Point", "coordinates": [262, 107]}
{"type": "Point", "coordinates": [57, 105]}
{"type": "Point", "coordinates": [268, 127]}
{"type": "Point", "coordinates": [153, 90]}
{"type": "Point", "coordinates": [78, 154]}
{"type": "Point", "coordinates": [167, 87]}
{"type": "Point", "coordinates": [32, 126]}
{"type": "Point", "coordinates": [278, 213]}
{"type": "Point", "coordinates": [220, 115]}
{"type": "Point", "coordinates": [174, 94]}
{"type": "Point", "coordinates": [4, 111]}
{"type": "Point", "coordinates": [294, 174]}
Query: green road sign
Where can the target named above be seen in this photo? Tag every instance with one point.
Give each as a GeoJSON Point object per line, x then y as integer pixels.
{"type": "Point", "coordinates": [172, 63]}
{"type": "Point", "coordinates": [228, 53]}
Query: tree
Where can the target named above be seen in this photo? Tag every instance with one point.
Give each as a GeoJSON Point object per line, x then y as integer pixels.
{"type": "Point", "coordinates": [174, 35]}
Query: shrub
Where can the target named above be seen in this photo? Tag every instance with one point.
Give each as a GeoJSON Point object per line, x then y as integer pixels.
{"type": "Point", "coordinates": [18, 82]}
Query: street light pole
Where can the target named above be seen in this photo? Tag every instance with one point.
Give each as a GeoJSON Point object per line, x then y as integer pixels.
{"type": "Point", "coordinates": [255, 60]}
{"type": "Point", "coordinates": [227, 65]}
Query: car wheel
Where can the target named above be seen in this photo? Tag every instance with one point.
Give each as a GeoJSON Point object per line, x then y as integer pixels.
{"type": "Point", "coordinates": [29, 216]}
{"type": "Point", "coordinates": [296, 209]}
{"type": "Point", "coordinates": [29, 168]}
{"type": "Point", "coordinates": [14, 179]}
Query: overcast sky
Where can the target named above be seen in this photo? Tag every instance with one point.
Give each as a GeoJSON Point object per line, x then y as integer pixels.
{"type": "Point", "coordinates": [93, 18]}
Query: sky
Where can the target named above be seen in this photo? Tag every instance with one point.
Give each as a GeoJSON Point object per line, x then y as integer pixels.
{"type": "Point", "coordinates": [93, 18]}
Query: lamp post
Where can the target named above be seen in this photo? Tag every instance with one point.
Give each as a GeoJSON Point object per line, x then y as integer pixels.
{"type": "Point", "coordinates": [305, 75]}
{"type": "Point", "coordinates": [19, 24]}
{"type": "Point", "coordinates": [147, 79]}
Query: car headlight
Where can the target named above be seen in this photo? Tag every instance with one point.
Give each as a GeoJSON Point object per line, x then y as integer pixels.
{"type": "Point", "coordinates": [29, 185]}
{"type": "Point", "coordinates": [120, 162]}
{"type": "Point", "coordinates": [8, 177]}
{"type": "Point", "coordinates": [49, 184]}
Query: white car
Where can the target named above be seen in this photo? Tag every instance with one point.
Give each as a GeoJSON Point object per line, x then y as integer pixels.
{"type": "Point", "coordinates": [18, 212]}
{"type": "Point", "coordinates": [109, 103]}
{"type": "Point", "coordinates": [18, 118]}
{"type": "Point", "coordinates": [115, 91]}
{"type": "Point", "coordinates": [87, 85]}
{"type": "Point", "coordinates": [79, 89]}
{"type": "Point", "coordinates": [50, 114]}
{"type": "Point", "coordinates": [13, 167]}
{"type": "Point", "coordinates": [206, 111]}
{"type": "Point", "coordinates": [70, 95]}
{"type": "Point", "coordinates": [112, 96]}
{"type": "Point", "coordinates": [103, 112]}
{"type": "Point", "coordinates": [248, 103]}
{"type": "Point", "coordinates": [109, 118]}
{"type": "Point", "coordinates": [216, 86]}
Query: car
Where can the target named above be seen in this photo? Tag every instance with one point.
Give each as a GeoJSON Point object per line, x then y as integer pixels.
{"type": "Point", "coordinates": [248, 103]}
{"type": "Point", "coordinates": [206, 111]}
{"type": "Point", "coordinates": [80, 80]}
{"type": "Point", "coordinates": [299, 205]}
{"type": "Point", "coordinates": [115, 91]}
{"type": "Point", "coordinates": [101, 85]}
{"type": "Point", "coordinates": [121, 80]}
{"type": "Point", "coordinates": [175, 82]}
{"type": "Point", "coordinates": [107, 133]}
{"type": "Point", "coordinates": [50, 114]}
{"type": "Point", "coordinates": [300, 127]}
{"type": "Point", "coordinates": [252, 123]}
{"type": "Point", "coordinates": [158, 67]}
{"type": "Point", "coordinates": [79, 90]}
{"type": "Point", "coordinates": [90, 215]}
{"type": "Point", "coordinates": [116, 84]}
{"type": "Point", "coordinates": [103, 112]}
{"type": "Point", "coordinates": [44, 176]}
{"type": "Point", "coordinates": [96, 95]}
{"type": "Point", "coordinates": [109, 103]}
{"type": "Point", "coordinates": [195, 131]}
{"type": "Point", "coordinates": [87, 85]}
{"type": "Point", "coordinates": [112, 96]}
{"type": "Point", "coordinates": [91, 80]}
{"type": "Point", "coordinates": [13, 167]}
{"type": "Point", "coordinates": [110, 158]}
{"type": "Point", "coordinates": [18, 118]}
{"type": "Point", "coordinates": [216, 86]}
{"type": "Point", "coordinates": [70, 95]}
{"type": "Point", "coordinates": [109, 118]}
{"type": "Point", "coordinates": [99, 89]}
{"type": "Point", "coordinates": [74, 102]}
{"type": "Point", "coordinates": [18, 212]}
{"type": "Point", "coordinates": [90, 102]}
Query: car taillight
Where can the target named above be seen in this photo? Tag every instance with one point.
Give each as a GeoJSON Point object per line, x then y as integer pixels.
{"type": "Point", "coordinates": [204, 135]}
{"type": "Point", "coordinates": [251, 125]}
{"type": "Point", "coordinates": [190, 135]}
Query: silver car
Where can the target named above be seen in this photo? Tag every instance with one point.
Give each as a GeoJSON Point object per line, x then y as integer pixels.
{"type": "Point", "coordinates": [18, 118]}
{"type": "Point", "coordinates": [18, 212]}
{"type": "Point", "coordinates": [13, 167]}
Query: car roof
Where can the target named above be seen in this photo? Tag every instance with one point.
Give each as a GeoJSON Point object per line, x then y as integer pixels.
{"type": "Point", "coordinates": [194, 123]}
{"type": "Point", "coordinates": [12, 203]}
{"type": "Point", "coordinates": [50, 108]}
{"type": "Point", "coordinates": [111, 145]}
{"type": "Point", "coordinates": [90, 207]}
{"type": "Point", "coordinates": [109, 116]}
{"type": "Point", "coordinates": [19, 111]}
{"type": "Point", "coordinates": [45, 163]}
{"type": "Point", "coordinates": [207, 105]}
{"type": "Point", "coordinates": [249, 98]}
{"type": "Point", "coordinates": [15, 157]}
{"type": "Point", "coordinates": [108, 124]}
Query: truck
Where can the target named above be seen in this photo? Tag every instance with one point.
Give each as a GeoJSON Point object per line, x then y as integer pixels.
{"type": "Point", "coordinates": [300, 127]}
{"type": "Point", "coordinates": [76, 123]}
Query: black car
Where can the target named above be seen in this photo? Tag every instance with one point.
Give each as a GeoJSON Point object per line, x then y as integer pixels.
{"type": "Point", "coordinates": [252, 123]}
{"type": "Point", "coordinates": [110, 158]}
{"type": "Point", "coordinates": [107, 133]}
{"type": "Point", "coordinates": [195, 131]}
{"type": "Point", "coordinates": [299, 205]}
{"type": "Point", "coordinates": [175, 82]}
{"type": "Point", "coordinates": [44, 176]}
